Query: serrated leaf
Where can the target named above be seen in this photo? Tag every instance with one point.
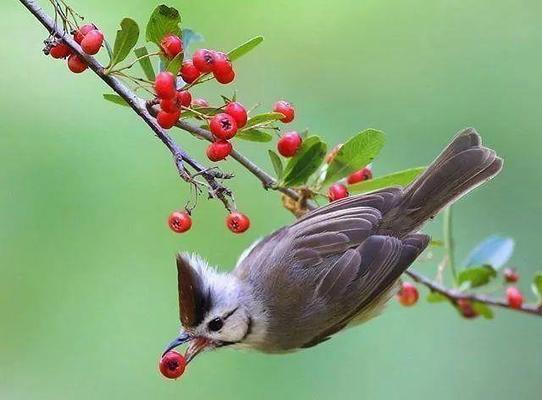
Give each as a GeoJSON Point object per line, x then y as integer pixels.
{"type": "Point", "coordinates": [263, 119]}
{"type": "Point", "coordinates": [190, 37]}
{"type": "Point", "coordinates": [355, 154]}
{"type": "Point", "coordinates": [164, 20]}
{"type": "Point", "coordinates": [401, 178]}
{"type": "Point", "coordinates": [115, 98]}
{"type": "Point", "coordinates": [307, 160]}
{"type": "Point", "coordinates": [174, 65]}
{"type": "Point", "coordinates": [254, 135]}
{"type": "Point", "coordinates": [483, 310]}
{"type": "Point", "coordinates": [537, 285]}
{"type": "Point", "coordinates": [477, 276]}
{"type": "Point", "coordinates": [145, 63]}
{"type": "Point", "coordinates": [245, 48]}
{"type": "Point", "coordinates": [494, 251]}
{"type": "Point", "coordinates": [435, 297]}
{"type": "Point", "coordinates": [126, 39]}
{"type": "Point", "coordinates": [277, 163]}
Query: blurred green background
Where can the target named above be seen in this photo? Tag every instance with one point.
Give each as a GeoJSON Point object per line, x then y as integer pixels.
{"type": "Point", "coordinates": [87, 279]}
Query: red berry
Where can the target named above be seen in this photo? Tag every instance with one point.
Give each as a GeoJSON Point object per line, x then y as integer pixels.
{"type": "Point", "coordinates": [92, 42]}
{"type": "Point", "coordinates": [184, 98]}
{"type": "Point", "coordinates": [169, 105]}
{"type": "Point", "coordinates": [223, 126]}
{"type": "Point", "coordinates": [237, 222]}
{"type": "Point", "coordinates": [219, 150]}
{"type": "Point", "coordinates": [337, 191]}
{"type": "Point", "coordinates": [168, 120]}
{"type": "Point", "coordinates": [238, 112]}
{"type": "Point", "coordinates": [466, 308]}
{"type": "Point", "coordinates": [359, 176]}
{"type": "Point", "coordinates": [76, 64]}
{"type": "Point", "coordinates": [224, 78]}
{"type": "Point", "coordinates": [204, 60]}
{"type": "Point", "coordinates": [179, 221]}
{"type": "Point", "coordinates": [514, 297]}
{"type": "Point", "coordinates": [289, 143]}
{"type": "Point", "coordinates": [200, 103]}
{"type": "Point", "coordinates": [285, 109]}
{"type": "Point", "coordinates": [60, 50]}
{"type": "Point", "coordinates": [171, 45]}
{"type": "Point", "coordinates": [80, 34]}
{"type": "Point", "coordinates": [172, 365]}
{"type": "Point", "coordinates": [164, 85]}
{"type": "Point", "coordinates": [408, 294]}
{"type": "Point", "coordinates": [511, 275]}
{"type": "Point", "coordinates": [189, 73]}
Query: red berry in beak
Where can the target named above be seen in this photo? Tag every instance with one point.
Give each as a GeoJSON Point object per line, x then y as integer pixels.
{"type": "Point", "coordinates": [219, 150]}
{"type": "Point", "coordinates": [189, 72]}
{"type": "Point", "coordinates": [164, 85]}
{"type": "Point", "coordinates": [172, 365]}
{"type": "Point", "coordinates": [223, 126]}
{"type": "Point", "coordinates": [238, 112]}
{"type": "Point", "coordinates": [92, 42]}
{"type": "Point", "coordinates": [514, 297]}
{"type": "Point", "coordinates": [337, 191]}
{"type": "Point", "coordinates": [359, 176]}
{"type": "Point", "coordinates": [237, 222]}
{"type": "Point", "coordinates": [408, 294]}
{"type": "Point", "coordinates": [285, 109]}
{"type": "Point", "coordinates": [179, 222]}
{"type": "Point", "coordinates": [289, 143]}
{"type": "Point", "coordinates": [171, 45]}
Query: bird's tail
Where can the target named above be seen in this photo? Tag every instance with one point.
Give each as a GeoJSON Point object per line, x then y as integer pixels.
{"type": "Point", "coordinates": [462, 166]}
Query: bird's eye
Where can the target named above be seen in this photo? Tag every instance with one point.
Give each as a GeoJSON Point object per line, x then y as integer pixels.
{"type": "Point", "coordinates": [216, 324]}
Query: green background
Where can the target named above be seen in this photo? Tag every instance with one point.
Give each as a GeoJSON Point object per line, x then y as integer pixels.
{"type": "Point", "coordinates": [87, 279]}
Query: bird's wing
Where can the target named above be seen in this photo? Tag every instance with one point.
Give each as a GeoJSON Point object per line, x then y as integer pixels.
{"type": "Point", "coordinates": [315, 275]}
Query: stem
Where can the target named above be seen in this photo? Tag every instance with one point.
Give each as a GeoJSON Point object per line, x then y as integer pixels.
{"type": "Point", "coordinates": [134, 63]}
{"type": "Point", "coordinates": [449, 243]}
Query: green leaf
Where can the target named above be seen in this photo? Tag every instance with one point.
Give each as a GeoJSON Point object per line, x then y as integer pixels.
{"type": "Point", "coordinates": [245, 48]}
{"type": "Point", "coordinates": [494, 250]}
{"type": "Point", "coordinates": [482, 309]}
{"type": "Point", "coordinates": [307, 160]}
{"type": "Point", "coordinates": [435, 297]}
{"type": "Point", "coordinates": [355, 154]}
{"type": "Point", "coordinates": [537, 285]}
{"type": "Point", "coordinates": [263, 119]}
{"type": "Point", "coordinates": [277, 163]}
{"type": "Point", "coordinates": [254, 135]}
{"type": "Point", "coordinates": [164, 20]}
{"type": "Point", "coordinates": [401, 178]}
{"type": "Point", "coordinates": [174, 65]}
{"type": "Point", "coordinates": [145, 63]}
{"type": "Point", "coordinates": [115, 98]}
{"type": "Point", "coordinates": [125, 41]}
{"type": "Point", "coordinates": [477, 276]}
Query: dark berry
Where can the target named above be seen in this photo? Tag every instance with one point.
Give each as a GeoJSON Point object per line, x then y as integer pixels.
{"type": "Point", "coordinates": [168, 120]}
{"type": "Point", "coordinates": [285, 109]}
{"type": "Point", "coordinates": [171, 45]}
{"type": "Point", "coordinates": [179, 221]}
{"type": "Point", "coordinates": [164, 85]}
{"type": "Point", "coordinates": [238, 112]}
{"type": "Point", "coordinates": [237, 222]}
{"type": "Point", "coordinates": [223, 126]}
{"type": "Point", "coordinates": [189, 73]}
{"type": "Point", "coordinates": [466, 308]}
{"type": "Point", "coordinates": [514, 297]}
{"type": "Point", "coordinates": [76, 64]}
{"type": "Point", "coordinates": [204, 60]}
{"type": "Point", "coordinates": [359, 176]}
{"type": "Point", "coordinates": [511, 275]}
{"type": "Point", "coordinates": [337, 191]}
{"type": "Point", "coordinates": [92, 42]}
{"type": "Point", "coordinates": [172, 365]}
{"type": "Point", "coordinates": [289, 143]}
{"type": "Point", "coordinates": [80, 34]}
{"type": "Point", "coordinates": [184, 98]}
{"type": "Point", "coordinates": [60, 50]}
{"type": "Point", "coordinates": [408, 294]}
{"type": "Point", "coordinates": [219, 150]}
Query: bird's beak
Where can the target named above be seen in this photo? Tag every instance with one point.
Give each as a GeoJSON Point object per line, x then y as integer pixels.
{"type": "Point", "coordinates": [181, 339]}
{"type": "Point", "coordinates": [196, 346]}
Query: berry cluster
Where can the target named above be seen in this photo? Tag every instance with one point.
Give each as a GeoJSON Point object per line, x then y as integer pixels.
{"type": "Point", "coordinates": [88, 36]}
{"type": "Point", "coordinates": [339, 190]}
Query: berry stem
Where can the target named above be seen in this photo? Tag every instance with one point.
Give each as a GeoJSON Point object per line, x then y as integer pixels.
{"type": "Point", "coordinates": [134, 62]}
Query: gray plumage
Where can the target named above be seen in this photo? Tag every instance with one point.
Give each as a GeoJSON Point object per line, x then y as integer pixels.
{"type": "Point", "coordinates": [338, 265]}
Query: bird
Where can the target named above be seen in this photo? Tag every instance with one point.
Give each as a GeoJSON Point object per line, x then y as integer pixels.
{"type": "Point", "coordinates": [334, 268]}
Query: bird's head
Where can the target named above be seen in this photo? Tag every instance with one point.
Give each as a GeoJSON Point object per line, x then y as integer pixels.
{"type": "Point", "coordinates": [214, 308]}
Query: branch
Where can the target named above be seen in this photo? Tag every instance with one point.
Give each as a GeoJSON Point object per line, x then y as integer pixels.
{"type": "Point", "coordinates": [454, 295]}
{"type": "Point", "coordinates": [216, 189]}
